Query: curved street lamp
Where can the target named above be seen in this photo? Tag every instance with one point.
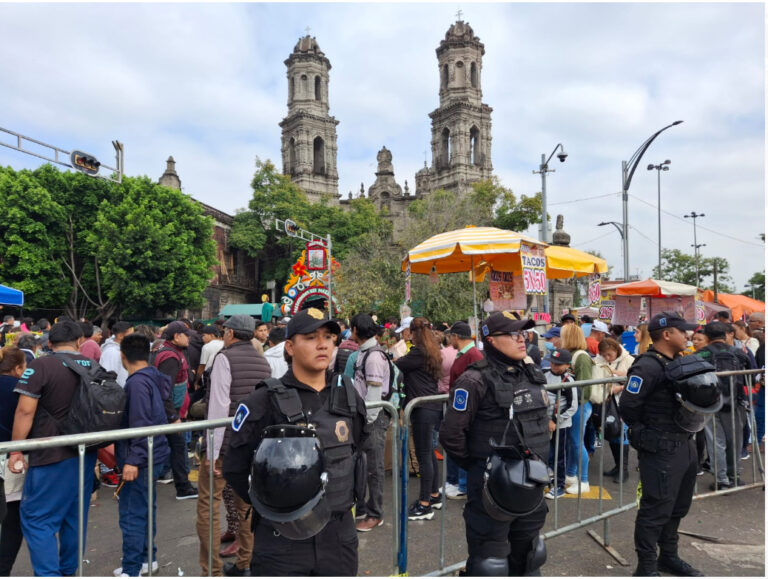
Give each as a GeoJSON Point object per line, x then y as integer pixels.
{"type": "Point", "coordinates": [543, 170]}
{"type": "Point", "coordinates": [627, 172]}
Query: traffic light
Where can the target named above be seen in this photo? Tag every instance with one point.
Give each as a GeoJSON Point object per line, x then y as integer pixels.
{"type": "Point", "coordinates": [84, 163]}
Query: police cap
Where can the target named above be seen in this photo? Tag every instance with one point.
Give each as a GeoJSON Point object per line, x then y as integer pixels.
{"type": "Point", "coordinates": [666, 320]}
{"type": "Point", "coordinates": [504, 323]}
{"type": "Point", "coordinates": [308, 321]}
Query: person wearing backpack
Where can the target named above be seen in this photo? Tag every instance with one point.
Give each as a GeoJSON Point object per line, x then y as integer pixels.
{"type": "Point", "coordinates": [372, 381]}
{"type": "Point", "coordinates": [573, 340]}
{"type": "Point", "coordinates": [170, 360]}
{"type": "Point", "coordinates": [720, 433]}
{"type": "Point", "coordinates": [49, 505]}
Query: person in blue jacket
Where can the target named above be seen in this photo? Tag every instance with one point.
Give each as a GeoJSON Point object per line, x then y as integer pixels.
{"type": "Point", "coordinates": [145, 390]}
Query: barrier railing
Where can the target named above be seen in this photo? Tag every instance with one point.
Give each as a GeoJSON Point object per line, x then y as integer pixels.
{"type": "Point", "coordinates": [82, 441]}
{"type": "Point", "coordinates": [602, 515]}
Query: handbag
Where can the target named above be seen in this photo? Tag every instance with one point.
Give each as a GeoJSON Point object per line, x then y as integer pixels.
{"type": "Point", "coordinates": [613, 426]}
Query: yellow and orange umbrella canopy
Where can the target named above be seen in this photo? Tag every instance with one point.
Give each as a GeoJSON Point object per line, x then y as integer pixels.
{"type": "Point", "coordinates": [567, 262]}
{"type": "Point", "coordinates": [467, 249]}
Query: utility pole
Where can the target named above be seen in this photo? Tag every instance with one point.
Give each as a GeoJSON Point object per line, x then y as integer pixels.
{"type": "Point", "coordinates": [693, 215]}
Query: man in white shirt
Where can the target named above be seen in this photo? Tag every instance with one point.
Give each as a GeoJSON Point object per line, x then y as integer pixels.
{"type": "Point", "coordinates": [110, 351]}
{"type": "Point", "coordinates": [275, 355]}
{"type": "Point", "coordinates": [212, 344]}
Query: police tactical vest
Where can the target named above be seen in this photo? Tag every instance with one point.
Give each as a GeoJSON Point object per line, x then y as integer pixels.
{"type": "Point", "coordinates": [660, 405]}
{"type": "Point", "coordinates": [333, 424]}
{"type": "Point", "coordinates": [523, 389]}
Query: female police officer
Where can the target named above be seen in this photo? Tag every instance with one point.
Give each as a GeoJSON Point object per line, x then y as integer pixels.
{"type": "Point", "coordinates": [304, 524]}
{"type": "Point", "coordinates": [501, 401]}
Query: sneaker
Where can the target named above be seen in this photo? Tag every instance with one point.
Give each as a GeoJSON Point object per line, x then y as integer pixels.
{"type": "Point", "coordinates": [551, 494]}
{"type": "Point", "coordinates": [360, 515]}
{"type": "Point", "coordinates": [574, 488]}
{"type": "Point", "coordinates": [720, 486]}
{"type": "Point", "coordinates": [187, 493]}
{"type": "Point", "coordinates": [701, 472]}
{"type": "Point", "coordinates": [417, 512]}
{"type": "Point", "coordinates": [110, 479]}
{"type": "Point", "coordinates": [436, 502]}
{"type": "Point", "coordinates": [165, 479]}
{"type": "Point", "coordinates": [232, 570]}
{"type": "Point", "coordinates": [570, 481]}
{"type": "Point", "coordinates": [144, 570]}
{"type": "Point", "coordinates": [454, 492]}
{"type": "Point", "coordinates": [745, 454]}
{"type": "Point", "coordinates": [369, 524]}
{"type": "Point", "coordinates": [677, 566]}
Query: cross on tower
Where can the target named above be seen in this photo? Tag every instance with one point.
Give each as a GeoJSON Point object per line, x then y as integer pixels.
{"type": "Point", "coordinates": [458, 16]}
{"type": "Point", "coordinates": [307, 29]}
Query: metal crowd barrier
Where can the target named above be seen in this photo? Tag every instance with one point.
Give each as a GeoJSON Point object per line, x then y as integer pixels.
{"type": "Point", "coordinates": [602, 515]}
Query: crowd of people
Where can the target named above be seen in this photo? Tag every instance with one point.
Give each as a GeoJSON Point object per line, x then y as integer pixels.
{"type": "Point", "coordinates": [317, 374]}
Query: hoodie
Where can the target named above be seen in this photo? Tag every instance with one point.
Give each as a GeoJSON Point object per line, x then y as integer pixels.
{"type": "Point", "coordinates": [274, 356]}
{"type": "Point", "coordinates": [144, 406]}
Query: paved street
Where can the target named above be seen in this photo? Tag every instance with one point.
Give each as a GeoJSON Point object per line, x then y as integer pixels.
{"type": "Point", "coordinates": [737, 520]}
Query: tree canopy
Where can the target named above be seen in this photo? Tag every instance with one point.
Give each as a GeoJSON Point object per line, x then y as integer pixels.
{"type": "Point", "coordinates": [681, 267]}
{"type": "Point", "coordinates": [86, 245]}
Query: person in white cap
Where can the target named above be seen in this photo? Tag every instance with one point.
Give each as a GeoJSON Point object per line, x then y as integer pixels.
{"type": "Point", "coordinates": [403, 345]}
{"type": "Point", "coordinates": [597, 333]}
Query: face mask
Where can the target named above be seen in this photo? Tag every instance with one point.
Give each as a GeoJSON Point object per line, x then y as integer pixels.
{"type": "Point", "coordinates": [549, 346]}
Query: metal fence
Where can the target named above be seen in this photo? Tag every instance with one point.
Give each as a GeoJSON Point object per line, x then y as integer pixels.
{"type": "Point", "coordinates": [400, 474]}
{"type": "Point", "coordinates": [602, 515]}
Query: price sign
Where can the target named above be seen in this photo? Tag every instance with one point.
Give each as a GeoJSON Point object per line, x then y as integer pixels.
{"type": "Point", "coordinates": [593, 293]}
{"type": "Point", "coordinates": [607, 307]}
{"type": "Point", "coordinates": [534, 273]}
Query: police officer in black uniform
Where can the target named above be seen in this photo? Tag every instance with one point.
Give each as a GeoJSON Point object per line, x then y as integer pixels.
{"type": "Point", "coordinates": [666, 450]}
{"type": "Point", "coordinates": [310, 398]}
{"type": "Point", "coordinates": [500, 401]}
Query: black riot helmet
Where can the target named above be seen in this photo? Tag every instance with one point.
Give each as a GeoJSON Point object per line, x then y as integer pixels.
{"type": "Point", "coordinates": [513, 486]}
{"type": "Point", "coordinates": [697, 389]}
{"type": "Point", "coordinates": [288, 481]}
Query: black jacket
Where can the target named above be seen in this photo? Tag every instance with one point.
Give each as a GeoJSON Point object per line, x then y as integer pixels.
{"type": "Point", "coordinates": [418, 382]}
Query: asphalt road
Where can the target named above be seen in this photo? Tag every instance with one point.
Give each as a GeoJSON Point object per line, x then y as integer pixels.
{"type": "Point", "coordinates": [736, 522]}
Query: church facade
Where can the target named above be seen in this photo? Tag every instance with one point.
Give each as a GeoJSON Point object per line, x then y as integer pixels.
{"type": "Point", "coordinates": [461, 129]}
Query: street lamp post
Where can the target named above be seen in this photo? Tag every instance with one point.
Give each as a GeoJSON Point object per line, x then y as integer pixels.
{"type": "Point", "coordinates": [659, 168]}
{"type": "Point", "coordinates": [627, 172]}
{"type": "Point", "coordinates": [543, 170]}
{"type": "Point", "coordinates": [693, 215]}
{"type": "Point", "coordinates": [752, 287]}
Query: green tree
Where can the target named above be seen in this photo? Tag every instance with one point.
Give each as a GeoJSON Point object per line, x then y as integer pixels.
{"type": "Point", "coordinates": [681, 267]}
{"type": "Point", "coordinates": [31, 239]}
{"type": "Point", "coordinates": [757, 286]}
{"type": "Point", "coordinates": [154, 250]}
{"type": "Point", "coordinates": [276, 197]}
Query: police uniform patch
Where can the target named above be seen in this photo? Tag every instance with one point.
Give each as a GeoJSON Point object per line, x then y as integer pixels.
{"type": "Point", "coordinates": [241, 414]}
{"type": "Point", "coordinates": [633, 384]}
{"type": "Point", "coordinates": [342, 431]}
{"type": "Point", "coordinates": [460, 399]}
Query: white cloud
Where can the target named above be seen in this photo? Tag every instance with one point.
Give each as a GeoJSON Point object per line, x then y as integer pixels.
{"type": "Point", "coordinates": [206, 83]}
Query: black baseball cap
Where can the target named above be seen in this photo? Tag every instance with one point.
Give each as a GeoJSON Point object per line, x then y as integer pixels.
{"type": "Point", "coordinates": [559, 356]}
{"type": "Point", "coordinates": [309, 320]}
{"type": "Point", "coordinates": [504, 323]}
{"type": "Point", "coordinates": [666, 320]}
{"type": "Point", "coordinates": [174, 328]}
{"type": "Point", "coordinates": [568, 317]}
{"type": "Point", "coordinates": [461, 330]}
{"type": "Point", "coordinates": [587, 319]}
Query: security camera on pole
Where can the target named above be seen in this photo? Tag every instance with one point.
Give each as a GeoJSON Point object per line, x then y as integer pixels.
{"type": "Point", "coordinates": [543, 170]}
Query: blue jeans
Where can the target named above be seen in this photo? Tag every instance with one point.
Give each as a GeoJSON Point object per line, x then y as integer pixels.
{"type": "Point", "coordinates": [576, 443]}
{"type": "Point", "coordinates": [134, 520]}
{"type": "Point", "coordinates": [49, 507]}
{"type": "Point", "coordinates": [455, 475]}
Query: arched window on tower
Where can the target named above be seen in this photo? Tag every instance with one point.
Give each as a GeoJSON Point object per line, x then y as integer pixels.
{"type": "Point", "coordinates": [317, 88]}
{"type": "Point", "coordinates": [444, 76]}
{"type": "Point", "coordinates": [292, 90]}
{"type": "Point", "coordinates": [304, 86]}
{"type": "Point", "coordinates": [460, 74]}
{"type": "Point", "coordinates": [318, 166]}
{"type": "Point", "coordinates": [445, 147]}
{"type": "Point", "coordinates": [475, 155]}
{"type": "Point", "coordinates": [292, 156]}
{"type": "Point", "coordinates": [473, 75]}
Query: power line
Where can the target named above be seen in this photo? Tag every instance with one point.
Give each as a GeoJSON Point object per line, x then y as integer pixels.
{"type": "Point", "coordinates": [641, 234]}
{"type": "Point", "coordinates": [584, 243]}
{"type": "Point", "coordinates": [585, 199]}
{"type": "Point", "coordinates": [699, 226]}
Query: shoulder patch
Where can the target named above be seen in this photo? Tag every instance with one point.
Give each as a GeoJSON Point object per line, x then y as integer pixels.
{"type": "Point", "coordinates": [634, 384]}
{"type": "Point", "coordinates": [241, 414]}
{"type": "Point", "coordinates": [460, 399]}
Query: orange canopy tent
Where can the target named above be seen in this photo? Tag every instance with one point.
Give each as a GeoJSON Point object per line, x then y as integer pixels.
{"type": "Point", "coordinates": [655, 288]}
{"type": "Point", "coordinates": [738, 304]}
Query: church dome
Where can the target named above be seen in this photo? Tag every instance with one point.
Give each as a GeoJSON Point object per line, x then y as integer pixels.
{"type": "Point", "coordinates": [308, 45]}
{"type": "Point", "coordinates": [460, 31]}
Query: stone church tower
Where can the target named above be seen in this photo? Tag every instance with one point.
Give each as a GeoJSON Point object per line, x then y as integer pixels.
{"type": "Point", "coordinates": [388, 196]}
{"type": "Point", "coordinates": [309, 132]}
{"type": "Point", "coordinates": [461, 125]}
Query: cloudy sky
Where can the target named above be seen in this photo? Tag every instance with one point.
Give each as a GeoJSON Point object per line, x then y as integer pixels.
{"type": "Point", "coordinates": [206, 83]}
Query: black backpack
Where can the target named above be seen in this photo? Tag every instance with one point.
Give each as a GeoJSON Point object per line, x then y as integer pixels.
{"type": "Point", "coordinates": [341, 359]}
{"type": "Point", "coordinates": [725, 360]}
{"type": "Point", "coordinates": [396, 383]}
{"type": "Point", "coordinates": [98, 403]}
